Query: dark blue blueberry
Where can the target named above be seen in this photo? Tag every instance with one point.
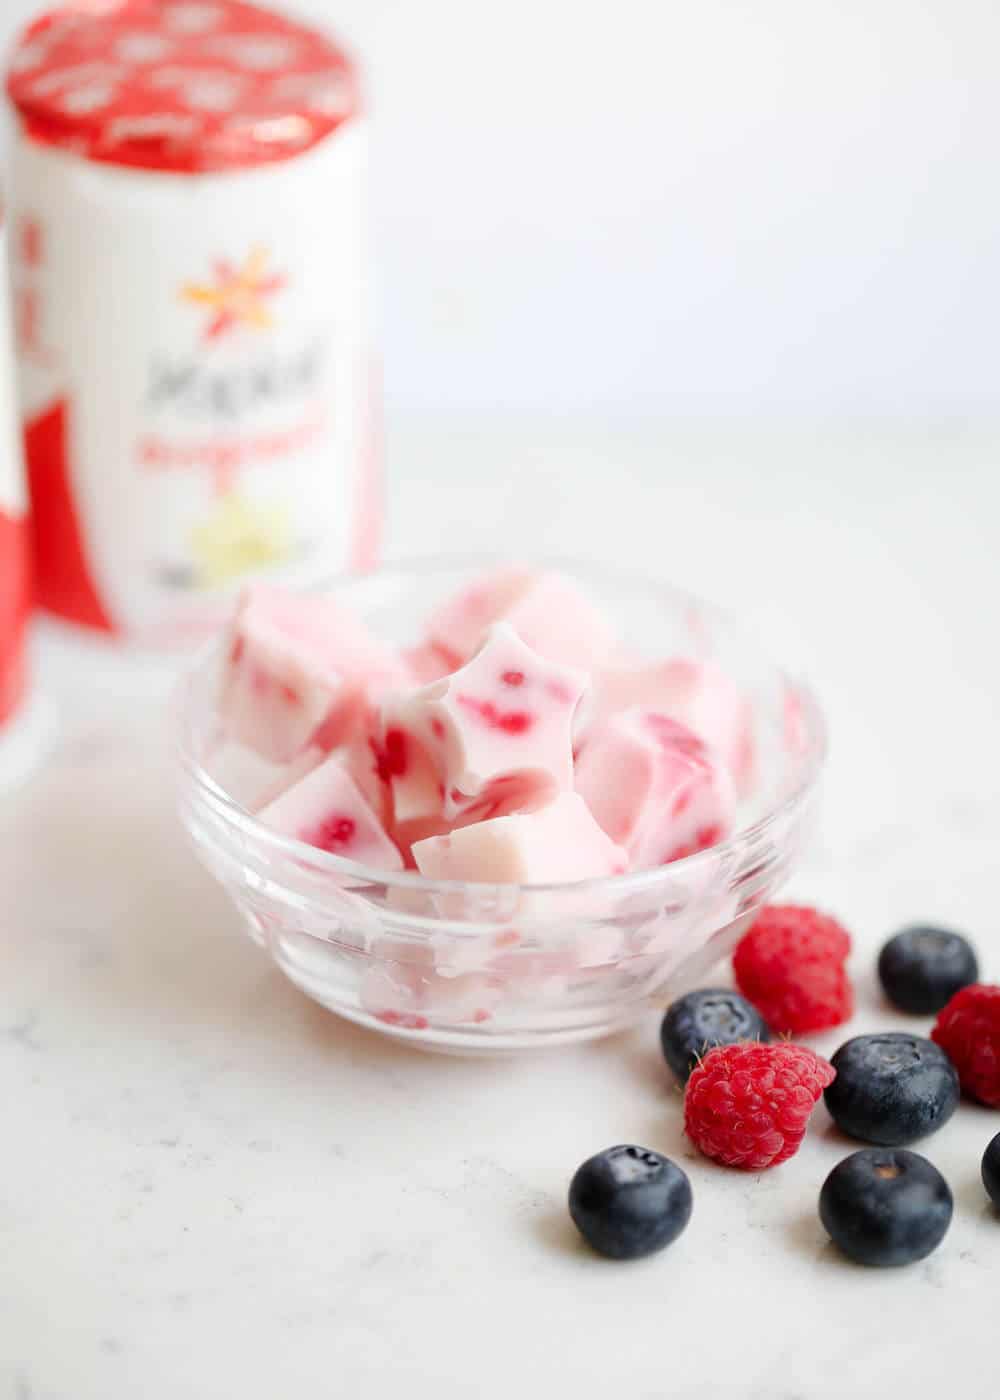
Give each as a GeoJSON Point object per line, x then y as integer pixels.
{"type": "Point", "coordinates": [891, 1088]}
{"type": "Point", "coordinates": [921, 968]}
{"type": "Point", "coordinates": [697, 1022]}
{"type": "Point", "coordinates": [884, 1207]}
{"type": "Point", "coordinates": [628, 1201]}
{"type": "Point", "coordinates": [991, 1170]}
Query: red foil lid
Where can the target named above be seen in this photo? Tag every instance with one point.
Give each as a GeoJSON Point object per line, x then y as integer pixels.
{"type": "Point", "coordinates": [179, 85]}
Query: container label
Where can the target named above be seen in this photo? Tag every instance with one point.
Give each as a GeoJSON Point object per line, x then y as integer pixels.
{"type": "Point", "coordinates": [15, 592]}
{"type": "Point", "coordinates": [193, 357]}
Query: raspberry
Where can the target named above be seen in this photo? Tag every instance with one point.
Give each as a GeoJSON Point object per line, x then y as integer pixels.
{"type": "Point", "coordinates": [790, 964]}
{"type": "Point", "coordinates": [968, 1031]}
{"type": "Point", "coordinates": [748, 1105]}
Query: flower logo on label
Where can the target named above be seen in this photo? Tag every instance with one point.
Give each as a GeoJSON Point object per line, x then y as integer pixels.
{"type": "Point", "coordinates": [238, 295]}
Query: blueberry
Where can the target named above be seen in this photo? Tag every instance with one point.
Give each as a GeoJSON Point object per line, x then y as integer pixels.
{"type": "Point", "coordinates": [991, 1170]}
{"type": "Point", "coordinates": [891, 1088]}
{"type": "Point", "coordinates": [921, 968]}
{"type": "Point", "coordinates": [629, 1201]}
{"type": "Point", "coordinates": [885, 1207]}
{"type": "Point", "coordinates": [697, 1022]}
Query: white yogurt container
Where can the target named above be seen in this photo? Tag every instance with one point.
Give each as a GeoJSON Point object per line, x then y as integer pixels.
{"type": "Point", "coordinates": [190, 289]}
{"type": "Point", "coordinates": [24, 720]}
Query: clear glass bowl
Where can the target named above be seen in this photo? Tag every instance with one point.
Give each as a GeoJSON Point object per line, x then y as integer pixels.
{"type": "Point", "coordinates": [500, 968]}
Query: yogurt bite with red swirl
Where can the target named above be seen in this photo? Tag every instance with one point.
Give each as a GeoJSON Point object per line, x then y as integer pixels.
{"type": "Point", "coordinates": [517, 764]}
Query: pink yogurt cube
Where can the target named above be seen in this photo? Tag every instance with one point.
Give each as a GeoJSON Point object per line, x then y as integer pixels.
{"type": "Point", "coordinates": [428, 662]}
{"type": "Point", "coordinates": [288, 775]}
{"type": "Point", "coordinates": [251, 780]}
{"type": "Point", "coordinates": [547, 611]}
{"type": "Point", "coordinates": [697, 694]}
{"type": "Point", "coordinates": [299, 671]}
{"type": "Point", "coordinates": [556, 843]}
{"type": "Point", "coordinates": [655, 787]}
{"type": "Point", "coordinates": [361, 755]}
{"type": "Point", "coordinates": [326, 810]}
{"type": "Point", "coordinates": [493, 737]}
{"type": "Point", "coordinates": [457, 626]}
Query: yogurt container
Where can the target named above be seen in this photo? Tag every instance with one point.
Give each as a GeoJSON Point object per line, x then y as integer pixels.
{"type": "Point", "coordinates": [22, 717]}
{"type": "Point", "coordinates": [188, 267]}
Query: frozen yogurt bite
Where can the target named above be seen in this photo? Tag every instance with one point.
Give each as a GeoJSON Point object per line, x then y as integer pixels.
{"type": "Point", "coordinates": [507, 744]}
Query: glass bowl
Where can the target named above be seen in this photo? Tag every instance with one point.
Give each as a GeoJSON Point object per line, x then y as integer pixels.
{"type": "Point", "coordinates": [501, 968]}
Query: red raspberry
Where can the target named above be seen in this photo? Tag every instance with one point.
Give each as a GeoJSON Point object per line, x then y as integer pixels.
{"type": "Point", "coordinates": [747, 1105]}
{"type": "Point", "coordinates": [790, 964]}
{"type": "Point", "coordinates": [968, 1031]}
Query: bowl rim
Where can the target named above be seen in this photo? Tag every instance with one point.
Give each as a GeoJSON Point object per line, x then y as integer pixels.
{"type": "Point", "coordinates": [355, 873]}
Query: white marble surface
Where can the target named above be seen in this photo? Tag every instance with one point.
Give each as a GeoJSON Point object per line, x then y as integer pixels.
{"type": "Point", "coordinates": [211, 1188]}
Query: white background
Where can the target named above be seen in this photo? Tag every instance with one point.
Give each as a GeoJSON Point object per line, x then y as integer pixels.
{"type": "Point", "coordinates": [663, 207]}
